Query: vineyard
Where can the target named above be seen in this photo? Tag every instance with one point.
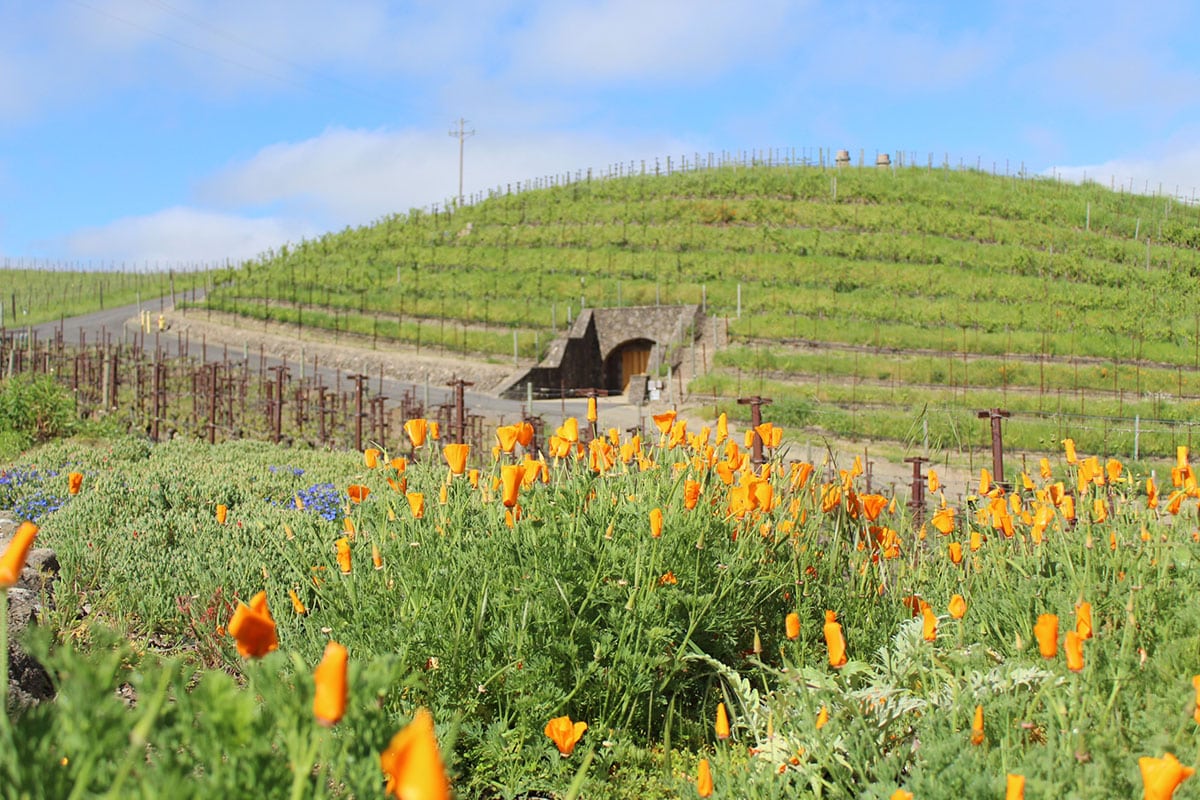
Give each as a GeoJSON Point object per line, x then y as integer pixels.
{"type": "Point", "coordinates": [38, 292]}
{"type": "Point", "coordinates": [870, 303]}
{"type": "Point", "coordinates": [889, 304]}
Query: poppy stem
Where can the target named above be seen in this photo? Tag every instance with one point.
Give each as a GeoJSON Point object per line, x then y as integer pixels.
{"type": "Point", "coordinates": [303, 767]}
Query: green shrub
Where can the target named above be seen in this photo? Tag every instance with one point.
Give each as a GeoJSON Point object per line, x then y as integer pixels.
{"type": "Point", "coordinates": [37, 408]}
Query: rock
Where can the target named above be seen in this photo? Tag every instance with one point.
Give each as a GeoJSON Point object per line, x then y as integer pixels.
{"type": "Point", "coordinates": [28, 681]}
{"type": "Point", "coordinates": [42, 559]}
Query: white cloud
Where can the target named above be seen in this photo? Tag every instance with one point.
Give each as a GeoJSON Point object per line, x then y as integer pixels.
{"type": "Point", "coordinates": [664, 39]}
{"type": "Point", "coordinates": [351, 177]}
{"type": "Point", "coordinates": [343, 177]}
{"type": "Point", "coordinates": [1174, 170]}
{"type": "Point", "coordinates": [176, 235]}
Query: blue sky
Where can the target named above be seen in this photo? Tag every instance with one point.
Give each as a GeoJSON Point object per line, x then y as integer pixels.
{"type": "Point", "coordinates": [182, 131]}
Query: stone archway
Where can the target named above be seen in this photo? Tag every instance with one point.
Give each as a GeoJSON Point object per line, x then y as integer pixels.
{"type": "Point", "coordinates": [631, 357]}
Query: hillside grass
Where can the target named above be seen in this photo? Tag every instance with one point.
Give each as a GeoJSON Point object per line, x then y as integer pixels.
{"type": "Point", "coordinates": [34, 296]}
{"type": "Point", "coordinates": [956, 287]}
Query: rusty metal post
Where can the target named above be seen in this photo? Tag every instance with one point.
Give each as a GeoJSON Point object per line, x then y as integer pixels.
{"type": "Point", "coordinates": [996, 415]}
{"type": "Point", "coordinates": [154, 405]}
{"type": "Point", "coordinates": [460, 413]}
{"type": "Point", "coordinates": [916, 501]}
{"type": "Point", "coordinates": [212, 403]}
{"type": "Point", "coordinates": [360, 387]}
{"type": "Point", "coordinates": [281, 376]}
{"type": "Point", "coordinates": [756, 403]}
{"type": "Point", "coordinates": [321, 414]}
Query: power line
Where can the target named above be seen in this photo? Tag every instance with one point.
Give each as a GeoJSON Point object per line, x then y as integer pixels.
{"type": "Point", "coordinates": [462, 135]}
{"type": "Point", "coordinates": [282, 78]}
{"type": "Point", "coordinates": [188, 45]}
{"type": "Point", "coordinates": [255, 48]}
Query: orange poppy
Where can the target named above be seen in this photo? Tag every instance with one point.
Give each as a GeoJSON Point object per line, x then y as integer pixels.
{"type": "Point", "coordinates": [357, 492]}
{"type": "Point", "coordinates": [1083, 620]}
{"type": "Point", "coordinates": [371, 457]}
{"type": "Point", "coordinates": [656, 522]}
{"type": "Point", "coordinates": [524, 434]}
{"type": "Point", "coordinates": [934, 483]}
{"type": "Point", "coordinates": [74, 482]}
{"type": "Point", "coordinates": [943, 520]}
{"type": "Point", "coordinates": [412, 763]}
{"type": "Point", "coordinates": [252, 628]}
{"type": "Point", "coordinates": [1114, 469]}
{"type": "Point", "coordinates": [800, 474]}
{"type": "Point", "coordinates": [831, 497]}
{"type": "Point", "coordinates": [1014, 787]}
{"type": "Point", "coordinates": [511, 477]}
{"type": "Point", "coordinates": [901, 794]}
{"type": "Point", "coordinates": [958, 606]}
{"type": "Point", "coordinates": [873, 505]}
{"type": "Point", "coordinates": [13, 559]}
{"type": "Point", "coordinates": [1046, 631]}
{"type": "Point", "coordinates": [691, 493]}
{"type": "Point", "coordinates": [929, 623]}
{"type": "Point", "coordinates": [417, 430]}
{"type": "Point", "coordinates": [1069, 448]}
{"type": "Point", "coordinates": [569, 430]}
{"type": "Point", "coordinates": [822, 718]}
{"type": "Point", "coordinates": [704, 781]}
{"type": "Point", "coordinates": [565, 734]}
{"type": "Point", "coordinates": [416, 504]}
{"type": "Point", "coordinates": [1151, 493]}
{"type": "Point", "coordinates": [456, 457]}
{"type": "Point", "coordinates": [376, 556]}
{"type": "Point", "coordinates": [297, 603]}
{"type": "Point", "coordinates": [721, 727]}
{"type": "Point", "coordinates": [835, 641]}
{"type": "Point", "coordinates": [329, 700]}
{"type": "Point", "coordinates": [956, 553]}
{"type": "Point", "coordinates": [791, 625]}
{"type": "Point", "coordinates": [221, 513]}
{"type": "Point", "coordinates": [665, 420]}
{"type": "Point", "coordinates": [1162, 776]}
{"type": "Point", "coordinates": [1196, 701]}
{"type": "Point", "coordinates": [977, 726]}
{"type": "Point", "coordinates": [1073, 645]}
{"type": "Point", "coordinates": [506, 436]}
{"type": "Point", "coordinates": [343, 554]}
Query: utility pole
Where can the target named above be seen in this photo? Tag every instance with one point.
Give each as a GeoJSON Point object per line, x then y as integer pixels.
{"type": "Point", "coordinates": [462, 133]}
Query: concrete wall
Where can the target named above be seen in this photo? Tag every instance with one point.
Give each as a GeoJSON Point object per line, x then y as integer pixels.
{"type": "Point", "coordinates": [576, 360]}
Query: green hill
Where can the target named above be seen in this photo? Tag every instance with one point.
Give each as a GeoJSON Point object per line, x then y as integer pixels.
{"type": "Point", "coordinates": [882, 303]}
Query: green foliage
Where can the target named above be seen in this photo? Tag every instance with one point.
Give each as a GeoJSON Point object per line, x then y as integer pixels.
{"type": "Point", "coordinates": [577, 610]}
{"type": "Point", "coordinates": [35, 409]}
{"type": "Point", "coordinates": [33, 296]}
{"type": "Point", "coordinates": [1038, 289]}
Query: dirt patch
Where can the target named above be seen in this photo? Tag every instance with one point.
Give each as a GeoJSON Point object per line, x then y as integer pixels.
{"type": "Point", "coordinates": [347, 352]}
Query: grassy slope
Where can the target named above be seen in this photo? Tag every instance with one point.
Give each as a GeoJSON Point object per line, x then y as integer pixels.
{"type": "Point", "coordinates": [33, 296]}
{"type": "Point", "coordinates": [922, 268]}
